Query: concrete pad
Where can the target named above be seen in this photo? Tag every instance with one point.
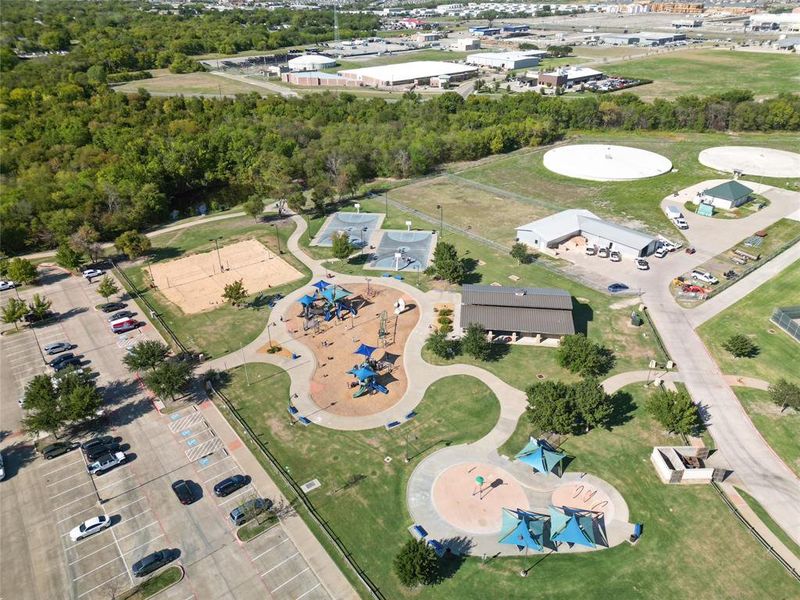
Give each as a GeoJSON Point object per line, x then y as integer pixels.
{"type": "Point", "coordinates": [752, 160]}
{"type": "Point", "coordinates": [605, 162]}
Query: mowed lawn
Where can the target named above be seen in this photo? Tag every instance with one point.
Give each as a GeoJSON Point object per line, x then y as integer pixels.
{"type": "Point", "coordinates": [779, 354]}
{"type": "Point", "coordinates": [224, 329]}
{"type": "Point", "coordinates": [164, 82]}
{"type": "Point", "coordinates": [780, 429]}
{"type": "Point", "coordinates": [632, 203]}
{"type": "Point", "coordinates": [688, 531]}
{"type": "Point", "coordinates": [709, 71]}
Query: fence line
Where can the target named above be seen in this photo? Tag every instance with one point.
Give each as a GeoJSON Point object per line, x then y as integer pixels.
{"type": "Point", "coordinates": [301, 495]}
{"type": "Point", "coordinates": [784, 317]}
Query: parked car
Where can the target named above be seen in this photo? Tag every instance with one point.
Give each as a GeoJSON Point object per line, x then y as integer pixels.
{"type": "Point", "coordinates": [89, 273]}
{"type": "Point", "coordinates": [591, 250]}
{"type": "Point", "coordinates": [642, 264]}
{"type": "Point", "coordinates": [240, 514]}
{"type": "Point", "coordinates": [230, 485]}
{"type": "Point", "coordinates": [124, 325]}
{"type": "Point", "coordinates": [7, 285]}
{"type": "Point", "coordinates": [123, 314]}
{"type": "Point", "coordinates": [616, 288]}
{"type": "Point", "coordinates": [704, 276]}
{"type": "Point", "coordinates": [183, 491]}
{"type": "Point", "coordinates": [661, 252]}
{"type": "Point", "coordinates": [2, 468]}
{"type": "Point", "coordinates": [110, 307]}
{"type": "Point", "coordinates": [151, 562]}
{"type": "Point", "coordinates": [681, 223]}
{"type": "Point", "coordinates": [90, 527]}
{"type": "Point", "coordinates": [603, 252]}
{"type": "Point", "coordinates": [103, 440]}
{"type": "Point", "coordinates": [57, 347]}
{"type": "Point", "coordinates": [615, 256]}
{"type": "Point", "coordinates": [58, 449]}
{"type": "Point", "coordinates": [104, 463]}
{"type": "Point", "coordinates": [60, 359]}
{"type": "Point", "coordinates": [101, 450]}
{"type": "Point", "coordinates": [65, 364]}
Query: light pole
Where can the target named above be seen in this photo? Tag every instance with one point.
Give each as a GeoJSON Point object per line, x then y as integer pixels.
{"type": "Point", "coordinates": [216, 245]}
{"type": "Point", "coordinates": [361, 233]}
{"type": "Point", "coordinates": [277, 238]}
{"type": "Point", "coordinates": [150, 268]}
{"type": "Point", "coordinates": [386, 203]}
{"type": "Point", "coordinates": [441, 220]}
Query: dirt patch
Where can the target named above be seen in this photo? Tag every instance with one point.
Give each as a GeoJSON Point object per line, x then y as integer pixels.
{"type": "Point", "coordinates": [336, 340]}
{"type": "Point", "coordinates": [195, 283]}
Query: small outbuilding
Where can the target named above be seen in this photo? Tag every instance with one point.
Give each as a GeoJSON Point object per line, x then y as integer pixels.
{"type": "Point", "coordinates": [725, 196]}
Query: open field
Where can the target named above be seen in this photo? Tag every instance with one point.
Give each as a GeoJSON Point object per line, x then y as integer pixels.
{"type": "Point", "coordinates": [634, 203]}
{"type": "Point", "coordinates": [223, 329]}
{"type": "Point", "coordinates": [750, 316]}
{"type": "Point", "coordinates": [363, 498]}
{"type": "Point", "coordinates": [769, 522]}
{"type": "Point", "coordinates": [709, 71]}
{"type": "Point", "coordinates": [779, 429]}
{"type": "Point", "coordinates": [164, 82]}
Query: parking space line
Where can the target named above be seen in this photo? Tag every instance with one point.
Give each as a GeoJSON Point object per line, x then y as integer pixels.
{"type": "Point", "coordinates": [86, 539]}
{"type": "Point", "coordinates": [65, 478]}
{"type": "Point", "coordinates": [128, 504]}
{"type": "Point", "coordinates": [96, 568]}
{"type": "Point", "coordinates": [75, 514]}
{"type": "Point", "coordinates": [280, 563]}
{"type": "Point", "coordinates": [102, 584]}
{"type": "Point", "coordinates": [75, 462]}
{"type": "Point", "coordinates": [115, 483]}
{"type": "Point", "coordinates": [160, 535]}
{"type": "Point", "coordinates": [220, 475]}
{"type": "Point", "coordinates": [249, 488]}
{"type": "Point", "coordinates": [219, 462]}
{"type": "Point", "coordinates": [308, 592]}
{"type": "Point", "coordinates": [70, 490]}
{"type": "Point", "coordinates": [137, 531]}
{"type": "Point", "coordinates": [255, 558]}
{"type": "Point", "coordinates": [146, 510]}
{"type": "Point", "coordinates": [290, 579]}
{"type": "Point", "coordinates": [90, 553]}
{"type": "Point", "coordinates": [74, 501]}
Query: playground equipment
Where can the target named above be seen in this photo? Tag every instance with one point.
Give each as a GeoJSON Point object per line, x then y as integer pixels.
{"type": "Point", "coordinates": [327, 302]}
{"type": "Point", "coordinates": [367, 377]}
{"type": "Point", "coordinates": [383, 333]}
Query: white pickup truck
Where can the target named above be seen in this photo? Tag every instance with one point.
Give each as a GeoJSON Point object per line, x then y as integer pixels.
{"type": "Point", "coordinates": [675, 215]}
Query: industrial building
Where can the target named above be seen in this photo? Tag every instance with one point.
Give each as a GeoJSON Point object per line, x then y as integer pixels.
{"type": "Point", "coordinates": [549, 232]}
{"type": "Point", "coordinates": [420, 72]}
{"type": "Point", "coordinates": [621, 39]}
{"type": "Point", "coordinates": [726, 196]}
{"type": "Point", "coordinates": [506, 60]}
{"type": "Point", "coordinates": [466, 44]}
{"type": "Point", "coordinates": [544, 313]}
{"type": "Point", "coordinates": [317, 79]}
{"type": "Point", "coordinates": [565, 77]}
{"type": "Point", "coordinates": [311, 62]}
{"type": "Point", "coordinates": [647, 38]}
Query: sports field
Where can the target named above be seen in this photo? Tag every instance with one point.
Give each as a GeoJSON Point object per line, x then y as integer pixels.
{"type": "Point", "coordinates": [709, 71]}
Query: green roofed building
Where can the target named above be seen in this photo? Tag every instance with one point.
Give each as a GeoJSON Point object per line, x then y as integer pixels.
{"type": "Point", "coordinates": [725, 196]}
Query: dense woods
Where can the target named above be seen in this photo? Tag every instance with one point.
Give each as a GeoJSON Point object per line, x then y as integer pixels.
{"type": "Point", "coordinates": [76, 153]}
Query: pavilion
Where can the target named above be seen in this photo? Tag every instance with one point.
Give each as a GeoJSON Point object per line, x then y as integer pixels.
{"type": "Point", "coordinates": [542, 457]}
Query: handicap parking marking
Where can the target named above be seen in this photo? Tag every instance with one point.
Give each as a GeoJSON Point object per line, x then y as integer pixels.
{"type": "Point", "coordinates": [186, 432]}
{"type": "Point", "coordinates": [203, 462]}
{"type": "Point", "coordinates": [175, 416]}
{"type": "Point", "coordinates": [192, 442]}
{"type": "Point", "coordinates": [208, 447]}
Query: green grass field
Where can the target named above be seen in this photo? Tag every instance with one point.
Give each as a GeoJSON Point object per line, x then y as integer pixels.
{"type": "Point", "coordinates": [769, 522]}
{"type": "Point", "coordinates": [708, 71]}
{"type": "Point", "coordinates": [363, 499]}
{"type": "Point", "coordinates": [750, 316]}
{"type": "Point", "coordinates": [224, 329]}
{"type": "Point", "coordinates": [632, 203]}
{"type": "Point", "coordinates": [779, 429]}
{"type": "Point", "coordinates": [168, 83]}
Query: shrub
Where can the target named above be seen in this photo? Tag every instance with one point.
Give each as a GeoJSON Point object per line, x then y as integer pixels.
{"type": "Point", "coordinates": [475, 344]}
{"type": "Point", "coordinates": [580, 355]}
{"type": "Point", "coordinates": [740, 346]}
{"type": "Point", "coordinates": [416, 564]}
{"type": "Point", "coordinates": [674, 410]}
{"type": "Point", "coordinates": [785, 394]}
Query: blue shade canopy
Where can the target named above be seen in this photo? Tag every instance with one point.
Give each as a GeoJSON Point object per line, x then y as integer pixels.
{"type": "Point", "coordinates": [558, 520]}
{"type": "Point", "coordinates": [365, 350]}
{"type": "Point", "coordinates": [522, 529]}
{"type": "Point", "coordinates": [571, 529]}
{"type": "Point", "coordinates": [540, 457]}
{"type": "Point", "coordinates": [321, 284]}
{"type": "Point", "coordinates": [363, 373]}
{"type": "Point", "coordinates": [306, 300]}
{"type": "Point", "coordinates": [334, 294]}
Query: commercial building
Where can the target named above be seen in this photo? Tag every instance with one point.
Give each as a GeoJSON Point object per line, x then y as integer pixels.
{"type": "Point", "coordinates": [515, 29]}
{"type": "Point", "coordinates": [549, 232]}
{"type": "Point", "coordinates": [565, 77]}
{"type": "Point", "coordinates": [506, 60]}
{"type": "Point", "coordinates": [677, 7]}
{"type": "Point", "coordinates": [648, 38]}
{"type": "Point", "coordinates": [725, 196]}
{"type": "Point", "coordinates": [621, 39]}
{"type": "Point", "coordinates": [416, 72]}
{"type": "Point", "coordinates": [466, 44]}
{"type": "Point", "coordinates": [545, 313]}
{"type": "Point", "coordinates": [690, 23]}
{"type": "Point", "coordinates": [485, 31]}
{"type": "Point", "coordinates": [311, 62]}
{"type": "Point", "coordinates": [317, 79]}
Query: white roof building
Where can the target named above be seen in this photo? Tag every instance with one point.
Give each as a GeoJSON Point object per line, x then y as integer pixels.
{"type": "Point", "coordinates": [506, 60]}
{"type": "Point", "coordinates": [410, 72]}
{"type": "Point", "coordinates": [311, 62]}
{"type": "Point", "coordinates": [550, 231]}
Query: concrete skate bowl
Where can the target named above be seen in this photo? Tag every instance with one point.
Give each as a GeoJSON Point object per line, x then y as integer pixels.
{"type": "Point", "coordinates": [603, 162]}
{"type": "Point", "coordinates": [413, 246]}
{"type": "Point", "coordinates": [752, 160]}
{"type": "Point", "coordinates": [353, 224]}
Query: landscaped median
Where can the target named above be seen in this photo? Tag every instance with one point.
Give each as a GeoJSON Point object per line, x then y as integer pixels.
{"type": "Point", "coordinates": [251, 530]}
{"type": "Point", "coordinates": [157, 583]}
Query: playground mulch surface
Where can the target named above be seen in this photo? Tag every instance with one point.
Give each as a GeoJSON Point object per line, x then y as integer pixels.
{"type": "Point", "coordinates": [334, 344]}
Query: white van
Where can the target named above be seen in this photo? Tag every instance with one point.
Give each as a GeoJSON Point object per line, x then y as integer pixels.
{"type": "Point", "coordinates": [673, 212]}
{"type": "Point", "coordinates": [124, 325]}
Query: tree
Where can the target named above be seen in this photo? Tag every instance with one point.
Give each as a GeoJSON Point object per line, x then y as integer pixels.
{"type": "Point", "coordinates": [441, 346]}
{"type": "Point", "coordinates": [79, 398]}
{"type": "Point", "coordinates": [254, 207]}
{"type": "Point", "coordinates": [740, 346]}
{"type": "Point", "coordinates": [147, 354]}
{"type": "Point", "coordinates": [14, 310]}
{"type": "Point", "coordinates": [785, 394]}
{"type": "Point", "coordinates": [168, 379]}
{"type": "Point", "coordinates": [234, 292]}
{"type": "Point", "coordinates": [591, 401]}
{"type": "Point", "coordinates": [489, 16]}
{"type": "Point", "coordinates": [446, 264]}
{"type": "Point", "coordinates": [133, 244]}
{"type": "Point", "coordinates": [474, 342]}
{"type": "Point", "coordinates": [342, 248]}
{"type": "Point", "coordinates": [39, 306]}
{"type": "Point", "coordinates": [674, 410]}
{"type": "Point", "coordinates": [296, 202]}
{"type": "Point", "coordinates": [580, 355]}
{"type": "Point", "coordinates": [519, 252]}
{"type": "Point", "coordinates": [42, 408]}
{"type": "Point", "coordinates": [69, 258]}
{"type": "Point", "coordinates": [86, 240]}
{"type": "Point", "coordinates": [107, 287]}
{"type": "Point", "coordinates": [21, 270]}
{"type": "Point", "coordinates": [551, 407]}
{"type": "Point", "coordinates": [416, 564]}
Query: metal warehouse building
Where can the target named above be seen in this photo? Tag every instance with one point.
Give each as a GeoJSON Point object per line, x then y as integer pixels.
{"type": "Point", "coordinates": [545, 313]}
{"type": "Point", "coordinates": [419, 72]}
{"type": "Point", "coordinates": [311, 62]}
{"type": "Point", "coordinates": [506, 60]}
{"type": "Point", "coordinates": [551, 231]}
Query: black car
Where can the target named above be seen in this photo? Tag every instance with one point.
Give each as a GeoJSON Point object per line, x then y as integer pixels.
{"type": "Point", "coordinates": [58, 449]}
{"type": "Point", "coordinates": [70, 362]}
{"type": "Point", "coordinates": [616, 288]}
{"type": "Point", "coordinates": [95, 452]}
{"type": "Point", "coordinates": [59, 359]}
{"type": "Point", "coordinates": [103, 440]}
{"type": "Point", "coordinates": [240, 514]}
{"type": "Point", "coordinates": [110, 307]}
{"type": "Point", "coordinates": [230, 485]}
{"type": "Point", "coordinates": [123, 314]}
{"type": "Point", "coordinates": [183, 491]}
{"type": "Point", "coordinates": [151, 562]}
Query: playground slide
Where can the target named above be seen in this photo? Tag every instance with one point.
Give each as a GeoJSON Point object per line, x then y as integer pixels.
{"type": "Point", "coordinates": [361, 391]}
{"type": "Point", "coordinates": [378, 387]}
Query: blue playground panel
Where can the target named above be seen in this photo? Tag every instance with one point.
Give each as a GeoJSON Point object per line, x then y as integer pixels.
{"type": "Point", "coordinates": [351, 223]}
{"type": "Point", "coordinates": [415, 246]}
{"type": "Point", "coordinates": [192, 442]}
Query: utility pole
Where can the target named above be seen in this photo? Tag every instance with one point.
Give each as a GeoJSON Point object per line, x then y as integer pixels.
{"type": "Point", "coordinates": [441, 221]}
{"type": "Point", "coordinates": [277, 238]}
{"type": "Point", "coordinates": [219, 258]}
